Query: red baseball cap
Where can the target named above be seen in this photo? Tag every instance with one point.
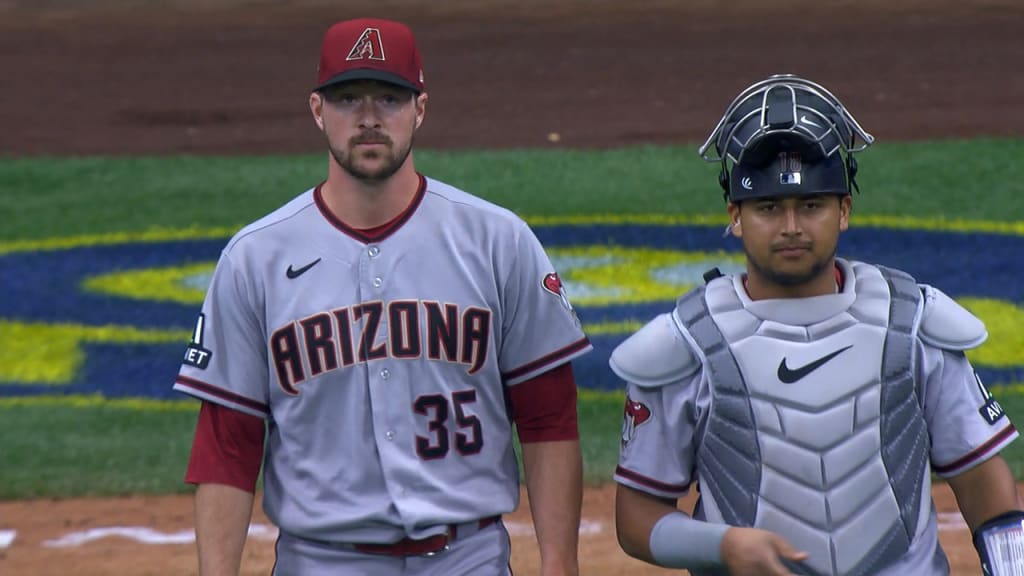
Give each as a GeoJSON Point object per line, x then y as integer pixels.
{"type": "Point", "coordinates": [370, 49]}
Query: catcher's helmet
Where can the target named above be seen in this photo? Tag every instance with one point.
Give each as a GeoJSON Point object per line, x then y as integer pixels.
{"type": "Point", "coordinates": [785, 136]}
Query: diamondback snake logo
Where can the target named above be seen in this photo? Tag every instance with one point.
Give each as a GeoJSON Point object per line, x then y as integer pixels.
{"type": "Point", "coordinates": [634, 414]}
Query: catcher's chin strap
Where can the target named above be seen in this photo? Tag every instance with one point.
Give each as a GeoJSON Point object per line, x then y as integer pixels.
{"type": "Point", "coordinates": [1000, 544]}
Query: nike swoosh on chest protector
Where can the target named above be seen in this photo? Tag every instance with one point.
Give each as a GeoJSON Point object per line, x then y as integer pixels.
{"type": "Point", "coordinates": [789, 375]}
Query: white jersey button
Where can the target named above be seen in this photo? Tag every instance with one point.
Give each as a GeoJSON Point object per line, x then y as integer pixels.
{"type": "Point", "coordinates": [390, 434]}
{"type": "Point", "coordinates": [385, 374]}
{"type": "Point", "coordinates": [373, 251]}
{"type": "Point", "coordinates": [377, 282]}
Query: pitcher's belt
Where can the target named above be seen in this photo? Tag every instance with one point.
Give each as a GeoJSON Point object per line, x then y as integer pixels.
{"type": "Point", "coordinates": [428, 546]}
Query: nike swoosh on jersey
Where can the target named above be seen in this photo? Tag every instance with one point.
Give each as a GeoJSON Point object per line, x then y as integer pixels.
{"type": "Point", "coordinates": [789, 375]}
{"type": "Point", "coordinates": [296, 272]}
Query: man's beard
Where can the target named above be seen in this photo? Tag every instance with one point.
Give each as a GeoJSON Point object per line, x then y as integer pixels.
{"type": "Point", "coordinates": [788, 279]}
{"type": "Point", "coordinates": [392, 163]}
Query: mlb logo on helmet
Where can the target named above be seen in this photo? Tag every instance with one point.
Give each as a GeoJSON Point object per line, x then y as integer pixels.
{"type": "Point", "coordinates": [370, 49]}
{"type": "Point", "coordinates": [789, 163]}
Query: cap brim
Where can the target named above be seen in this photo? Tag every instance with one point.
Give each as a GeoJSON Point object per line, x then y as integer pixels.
{"type": "Point", "coordinates": [369, 74]}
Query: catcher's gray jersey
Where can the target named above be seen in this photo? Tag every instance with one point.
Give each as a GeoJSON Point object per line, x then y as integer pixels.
{"type": "Point", "coordinates": [820, 419]}
{"type": "Point", "coordinates": [381, 364]}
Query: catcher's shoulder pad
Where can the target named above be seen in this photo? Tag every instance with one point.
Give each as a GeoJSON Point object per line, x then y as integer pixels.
{"type": "Point", "coordinates": [948, 325]}
{"type": "Point", "coordinates": [655, 355]}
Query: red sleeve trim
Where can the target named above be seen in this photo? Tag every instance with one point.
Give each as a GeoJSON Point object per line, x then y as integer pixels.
{"type": "Point", "coordinates": [227, 448]}
{"type": "Point", "coordinates": [980, 451]}
{"type": "Point", "coordinates": [203, 387]}
{"type": "Point", "coordinates": [552, 358]}
{"type": "Point", "coordinates": [544, 407]}
{"type": "Point", "coordinates": [650, 482]}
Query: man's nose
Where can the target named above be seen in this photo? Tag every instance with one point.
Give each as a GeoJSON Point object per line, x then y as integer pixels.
{"type": "Point", "coordinates": [369, 116]}
{"type": "Point", "coordinates": [791, 222]}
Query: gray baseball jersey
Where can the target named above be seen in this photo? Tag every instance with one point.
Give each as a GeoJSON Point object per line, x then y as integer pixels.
{"type": "Point", "coordinates": [381, 364]}
{"type": "Point", "coordinates": [805, 431]}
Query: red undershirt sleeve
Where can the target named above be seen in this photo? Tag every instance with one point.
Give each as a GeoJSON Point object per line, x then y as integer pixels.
{"type": "Point", "coordinates": [227, 448]}
{"type": "Point", "coordinates": [544, 407]}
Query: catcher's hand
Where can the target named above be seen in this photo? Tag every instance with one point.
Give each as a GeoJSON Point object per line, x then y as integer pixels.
{"type": "Point", "coordinates": [758, 552]}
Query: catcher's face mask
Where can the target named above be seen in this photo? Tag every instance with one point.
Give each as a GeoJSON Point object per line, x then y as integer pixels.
{"type": "Point", "coordinates": [785, 136]}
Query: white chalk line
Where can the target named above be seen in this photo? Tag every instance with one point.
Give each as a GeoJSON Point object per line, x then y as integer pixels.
{"type": "Point", "coordinates": [947, 521]}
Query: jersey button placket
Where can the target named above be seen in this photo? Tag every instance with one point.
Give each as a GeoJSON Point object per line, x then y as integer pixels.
{"type": "Point", "coordinates": [373, 252]}
{"type": "Point", "coordinates": [388, 416]}
{"type": "Point", "coordinates": [390, 432]}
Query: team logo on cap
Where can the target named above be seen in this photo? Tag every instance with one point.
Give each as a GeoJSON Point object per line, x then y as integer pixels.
{"type": "Point", "coordinates": [368, 47]}
{"type": "Point", "coordinates": [634, 414]}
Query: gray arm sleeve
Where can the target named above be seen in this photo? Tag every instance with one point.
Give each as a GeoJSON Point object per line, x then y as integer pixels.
{"type": "Point", "coordinates": [679, 541]}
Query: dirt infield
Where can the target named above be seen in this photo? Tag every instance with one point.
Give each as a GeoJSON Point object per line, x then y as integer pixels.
{"type": "Point", "coordinates": [150, 536]}
{"type": "Point", "coordinates": [118, 77]}
{"type": "Point", "coordinates": [232, 76]}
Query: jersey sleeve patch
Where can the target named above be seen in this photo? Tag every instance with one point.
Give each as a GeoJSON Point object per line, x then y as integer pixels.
{"type": "Point", "coordinates": [991, 411]}
{"type": "Point", "coordinates": [553, 284]}
{"type": "Point", "coordinates": [634, 414]}
{"type": "Point", "coordinates": [195, 354]}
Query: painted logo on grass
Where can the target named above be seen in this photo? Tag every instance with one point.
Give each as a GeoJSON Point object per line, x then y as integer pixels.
{"type": "Point", "coordinates": [112, 316]}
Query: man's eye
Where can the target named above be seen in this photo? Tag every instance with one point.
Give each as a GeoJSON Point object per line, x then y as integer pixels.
{"type": "Point", "coordinates": [340, 97]}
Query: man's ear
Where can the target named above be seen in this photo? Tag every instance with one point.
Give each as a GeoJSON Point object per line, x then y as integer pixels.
{"type": "Point", "coordinates": [421, 108]}
{"type": "Point", "coordinates": [845, 207]}
{"type": "Point", "coordinates": [735, 225]}
{"type": "Point", "coordinates": [316, 108]}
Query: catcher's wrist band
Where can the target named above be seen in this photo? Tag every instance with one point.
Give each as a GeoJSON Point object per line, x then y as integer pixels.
{"type": "Point", "coordinates": [678, 541]}
{"type": "Point", "coordinates": [1000, 544]}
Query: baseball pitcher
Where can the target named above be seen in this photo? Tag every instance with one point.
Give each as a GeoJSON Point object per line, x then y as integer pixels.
{"type": "Point", "coordinates": [371, 343]}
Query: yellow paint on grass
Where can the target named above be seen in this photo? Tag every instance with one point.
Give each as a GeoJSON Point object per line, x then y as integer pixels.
{"type": "Point", "coordinates": [151, 235]}
{"type": "Point", "coordinates": [51, 354]}
{"type": "Point", "coordinates": [197, 232]}
{"type": "Point", "coordinates": [602, 275]}
{"type": "Point", "coordinates": [96, 401]}
{"type": "Point", "coordinates": [1005, 344]}
{"type": "Point", "coordinates": [153, 284]}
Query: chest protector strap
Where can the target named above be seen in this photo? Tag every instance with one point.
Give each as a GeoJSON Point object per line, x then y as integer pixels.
{"type": "Point", "coordinates": [729, 456]}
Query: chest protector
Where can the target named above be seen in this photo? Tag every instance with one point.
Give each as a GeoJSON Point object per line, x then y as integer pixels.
{"type": "Point", "coordinates": [815, 429]}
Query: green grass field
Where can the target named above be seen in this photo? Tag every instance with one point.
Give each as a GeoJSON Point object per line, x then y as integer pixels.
{"type": "Point", "coordinates": [61, 449]}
